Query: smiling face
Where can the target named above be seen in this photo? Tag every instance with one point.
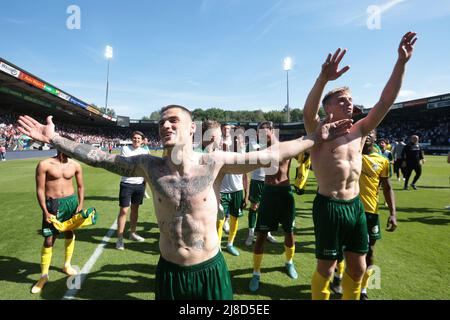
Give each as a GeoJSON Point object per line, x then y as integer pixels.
{"type": "Point", "coordinates": [176, 127]}
{"type": "Point", "coordinates": [370, 140]}
{"type": "Point", "coordinates": [137, 140]}
{"type": "Point", "coordinates": [340, 104]}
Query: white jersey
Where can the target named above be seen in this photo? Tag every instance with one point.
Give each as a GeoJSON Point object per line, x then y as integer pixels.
{"type": "Point", "coordinates": [232, 183]}
{"type": "Point", "coordinates": [397, 151]}
{"type": "Point", "coordinates": [260, 173]}
{"type": "Point", "coordinates": [129, 151]}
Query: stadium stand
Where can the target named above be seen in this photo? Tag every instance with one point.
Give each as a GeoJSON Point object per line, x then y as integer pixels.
{"type": "Point", "coordinates": [23, 93]}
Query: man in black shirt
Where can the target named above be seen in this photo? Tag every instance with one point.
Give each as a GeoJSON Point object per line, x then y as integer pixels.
{"type": "Point", "coordinates": [412, 156]}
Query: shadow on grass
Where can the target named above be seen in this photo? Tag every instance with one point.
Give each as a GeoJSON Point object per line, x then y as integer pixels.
{"type": "Point", "coordinates": [106, 283]}
{"type": "Point", "coordinates": [118, 281]}
{"type": "Point", "coordinates": [431, 187]}
{"type": "Point", "coordinates": [18, 271]}
{"type": "Point", "coordinates": [302, 247]}
{"type": "Point", "coordinates": [428, 220]}
{"type": "Point", "coordinates": [304, 231]}
{"type": "Point", "coordinates": [420, 210]}
{"type": "Point", "coordinates": [269, 290]}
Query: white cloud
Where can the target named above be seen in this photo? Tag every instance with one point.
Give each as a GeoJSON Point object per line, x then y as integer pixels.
{"type": "Point", "coordinates": [407, 94]}
{"type": "Point", "coordinates": [385, 7]}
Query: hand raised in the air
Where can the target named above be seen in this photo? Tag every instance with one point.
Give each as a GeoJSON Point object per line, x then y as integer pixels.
{"type": "Point", "coordinates": [330, 67]}
{"type": "Point", "coordinates": [36, 130]}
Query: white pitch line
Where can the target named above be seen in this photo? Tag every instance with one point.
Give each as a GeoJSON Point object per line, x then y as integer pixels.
{"type": "Point", "coordinates": [70, 293]}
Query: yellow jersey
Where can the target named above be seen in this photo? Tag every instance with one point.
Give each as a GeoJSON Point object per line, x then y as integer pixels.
{"type": "Point", "coordinates": [374, 167]}
{"type": "Point", "coordinates": [304, 164]}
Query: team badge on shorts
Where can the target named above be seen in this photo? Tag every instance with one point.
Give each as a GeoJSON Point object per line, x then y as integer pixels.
{"type": "Point", "coordinates": [375, 229]}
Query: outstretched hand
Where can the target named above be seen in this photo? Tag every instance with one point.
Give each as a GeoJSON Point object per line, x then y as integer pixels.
{"type": "Point", "coordinates": [330, 67]}
{"type": "Point", "coordinates": [406, 47]}
{"type": "Point", "coordinates": [36, 130]}
{"type": "Point", "coordinates": [327, 130]}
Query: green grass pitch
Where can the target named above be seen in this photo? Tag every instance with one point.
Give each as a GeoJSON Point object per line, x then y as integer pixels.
{"type": "Point", "coordinates": [414, 260]}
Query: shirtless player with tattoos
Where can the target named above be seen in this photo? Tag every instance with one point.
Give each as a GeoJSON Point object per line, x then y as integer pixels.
{"type": "Point", "coordinates": [185, 186]}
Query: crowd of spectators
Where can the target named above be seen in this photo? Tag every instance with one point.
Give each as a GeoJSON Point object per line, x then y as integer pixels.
{"type": "Point", "coordinates": [104, 137]}
{"type": "Point", "coordinates": [432, 130]}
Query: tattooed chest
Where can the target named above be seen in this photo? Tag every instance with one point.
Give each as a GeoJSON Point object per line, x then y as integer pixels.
{"type": "Point", "coordinates": [181, 192]}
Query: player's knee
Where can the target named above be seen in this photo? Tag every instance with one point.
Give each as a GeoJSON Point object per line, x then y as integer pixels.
{"type": "Point", "coordinates": [326, 269]}
{"type": "Point", "coordinates": [48, 242]}
{"type": "Point", "coordinates": [356, 271]}
{"type": "Point", "coordinates": [254, 206]}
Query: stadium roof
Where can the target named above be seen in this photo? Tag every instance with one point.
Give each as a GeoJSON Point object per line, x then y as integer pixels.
{"type": "Point", "coordinates": [23, 92]}
{"type": "Point", "coordinates": [429, 103]}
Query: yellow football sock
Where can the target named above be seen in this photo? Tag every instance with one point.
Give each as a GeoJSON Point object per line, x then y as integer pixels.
{"type": "Point", "coordinates": [351, 290]}
{"type": "Point", "coordinates": [320, 287]}
{"type": "Point", "coordinates": [233, 229]}
{"type": "Point", "coordinates": [69, 247]}
{"type": "Point", "coordinates": [289, 252]}
{"type": "Point", "coordinates": [219, 229]}
{"type": "Point", "coordinates": [365, 280]}
{"type": "Point", "coordinates": [46, 258]}
{"type": "Point", "coordinates": [340, 269]}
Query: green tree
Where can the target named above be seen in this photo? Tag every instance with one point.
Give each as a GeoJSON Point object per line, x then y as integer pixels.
{"type": "Point", "coordinates": [296, 115]}
{"type": "Point", "coordinates": [275, 116]}
{"type": "Point", "coordinates": [155, 116]}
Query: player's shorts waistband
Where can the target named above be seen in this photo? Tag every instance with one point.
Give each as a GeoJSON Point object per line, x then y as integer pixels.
{"type": "Point", "coordinates": [170, 266]}
{"type": "Point", "coordinates": [329, 199]}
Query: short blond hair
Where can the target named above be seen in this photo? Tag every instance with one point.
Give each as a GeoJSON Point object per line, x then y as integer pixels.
{"type": "Point", "coordinates": [331, 93]}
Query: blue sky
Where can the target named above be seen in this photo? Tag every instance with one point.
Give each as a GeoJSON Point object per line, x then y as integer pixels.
{"type": "Point", "coordinates": [223, 53]}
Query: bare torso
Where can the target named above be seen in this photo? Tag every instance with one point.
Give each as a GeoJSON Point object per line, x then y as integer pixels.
{"type": "Point", "coordinates": [281, 178]}
{"type": "Point", "coordinates": [58, 177]}
{"type": "Point", "coordinates": [337, 165]}
{"type": "Point", "coordinates": [186, 208]}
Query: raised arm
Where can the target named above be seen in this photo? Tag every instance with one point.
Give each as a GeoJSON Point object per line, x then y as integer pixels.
{"type": "Point", "coordinates": [392, 88]}
{"type": "Point", "coordinates": [125, 166]}
{"type": "Point", "coordinates": [270, 157]}
{"type": "Point", "coordinates": [329, 72]}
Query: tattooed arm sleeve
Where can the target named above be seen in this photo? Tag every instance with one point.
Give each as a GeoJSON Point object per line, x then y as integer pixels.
{"type": "Point", "coordinates": [124, 166]}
